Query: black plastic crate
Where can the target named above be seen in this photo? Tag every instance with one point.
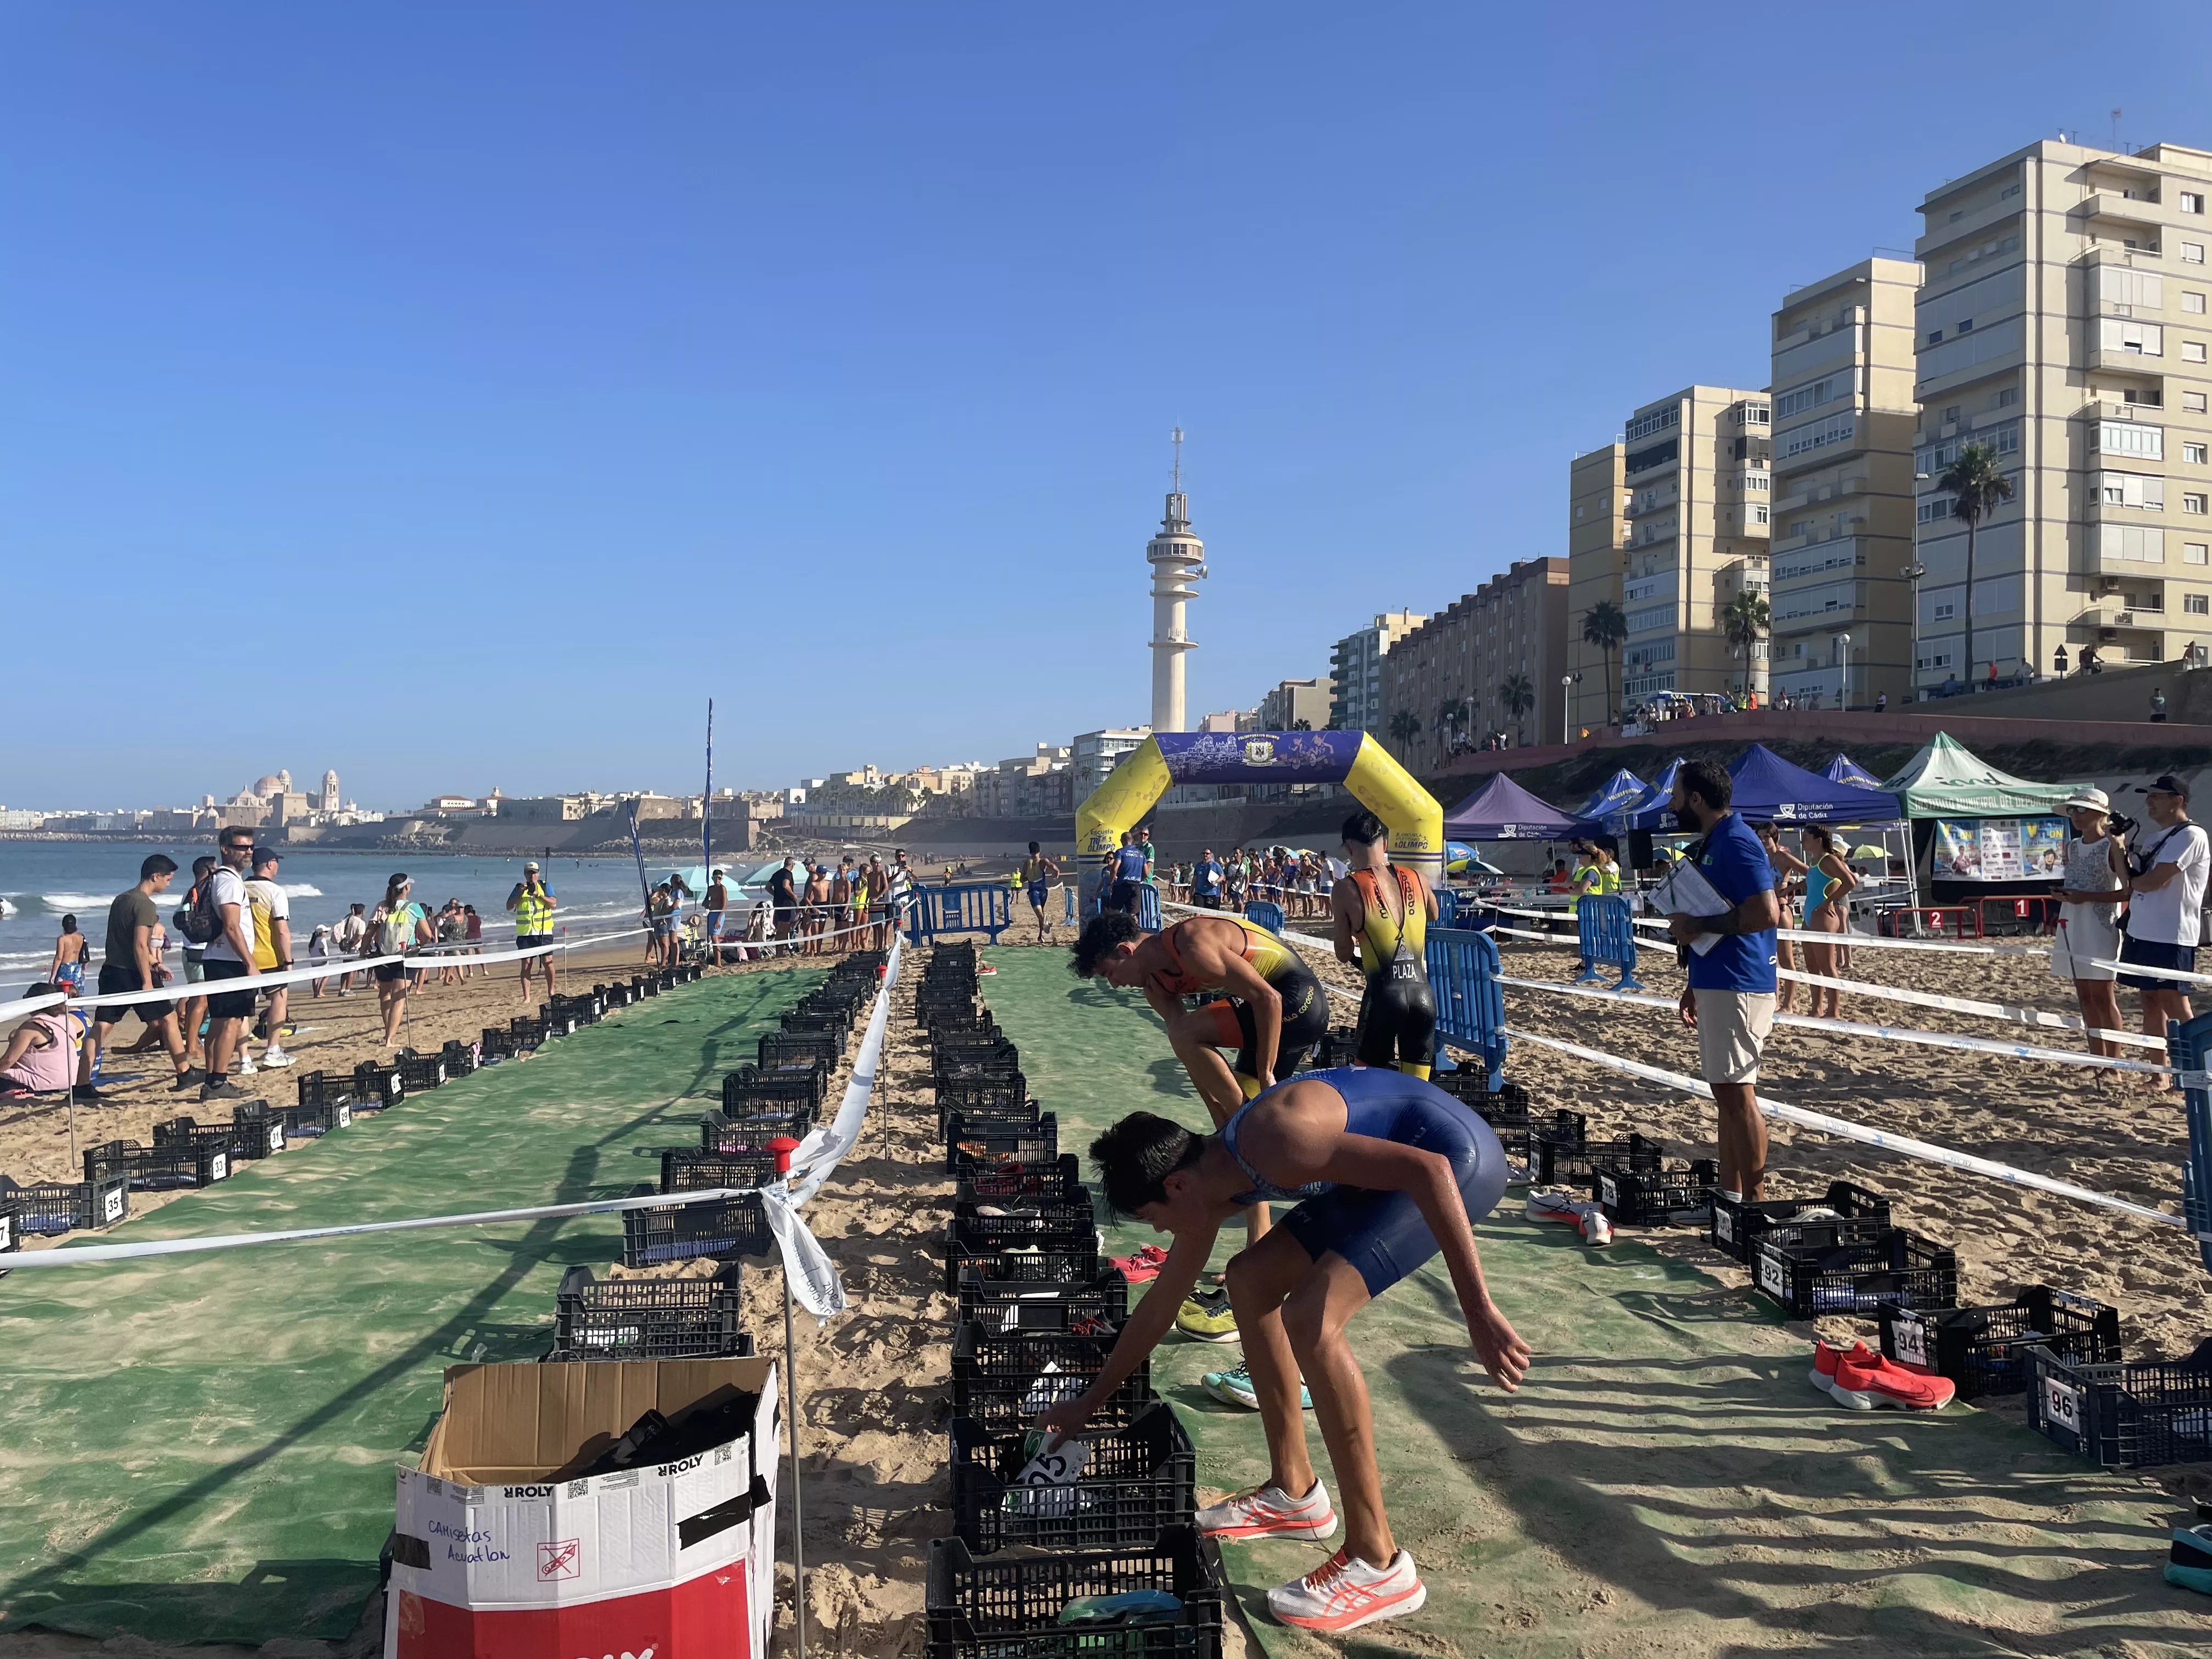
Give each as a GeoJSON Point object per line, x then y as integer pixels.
{"type": "Point", "coordinates": [1738, 1221]}
{"type": "Point", "coordinates": [1896, 1269]}
{"type": "Point", "coordinates": [1082, 1308]}
{"type": "Point", "coordinates": [2138, 1415]}
{"type": "Point", "coordinates": [718, 1228]}
{"type": "Point", "coordinates": [1984, 1350]}
{"type": "Point", "coordinates": [721, 1133]}
{"type": "Point", "coordinates": [44, 1208]}
{"type": "Point", "coordinates": [418, 1071]}
{"type": "Point", "coordinates": [614, 996]}
{"type": "Point", "coordinates": [11, 1232]}
{"type": "Point", "coordinates": [495, 1044]}
{"type": "Point", "coordinates": [1003, 1112]}
{"type": "Point", "coordinates": [1674, 1195]}
{"type": "Point", "coordinates": [312, 1122]}
{"type": "Point", "coordinates": [376, 1086]}
{"type": "Point", "coordinates": [460, 1058]}
{"type": "Point", "coordinates": [527, 1031]}
{"type": "Point", "coordinates": [556, 1022]}
{"type": "Point", "coordinates": [1136, 1482]}
{"type": "Point", "coordinates": [1009, 1247]}
{"type": "Point", "coordinates": [1001, 1378]}
{"type": "Point", "coordinates": [650, 1318]}
{"type": "Point", "coordinates": [254, 1132]}
{"type": "Point", "coordinates": [749, 1089]}
{"type": "Point", "coordinates": [954, 1066]}
{"type": "Point", "coordinates": [1009, 1609]}
{"type": "Point", "coordinates": [984, 1094]}
{"type": "Point", "coordinates": [1559, 1162]}
{"type": "Point", "coordinates": [317, 1087]}
{"type": "Point", "coordinates": [643, 986]}
{"type": "Point", "coordinates": [799, 1048]}
{"type": "Point", "coordinates": [986, 1143]}
{"type": "Point", "coordinates": [686, 1170]}
{"type": "Point", "coordinates": [1062, 1177]}
{"type": "Point", "coordinates": [156, 1168]}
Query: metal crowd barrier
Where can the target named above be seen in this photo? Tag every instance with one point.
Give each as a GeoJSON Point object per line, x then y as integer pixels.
{"type": "Point", "coordinates": [1607, 938]}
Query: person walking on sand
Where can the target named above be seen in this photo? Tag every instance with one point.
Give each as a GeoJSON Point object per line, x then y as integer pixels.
{"type": "Point", "coordinates": [1828, 883]}
{"type": "Point", "coordinates": [193, 1010]}
{"type": "Point", "coordinates": [783, 894]}
{"type": "Point", "coordinates": [1730, 998]}
{"type": "Point", "coordinates": [230, 958]}
{"type": "Point", "coordinates": [272, 947]}
{"type": "Point", "coordinates": [2096, 883]}
{"type": "Point", "coordinates": [72, 952]}
{"type": "Point", "coordinates": [1039, 871]}
{"type": "Point", "coordinates": [2165, 904]}
{"type": "Point", "coordinates": [533, 904]}
{"type": "Point", "coordinates": [718, 905]}
{"type": "Point", "coordinates": [352, 930]}
{"type": "Point", "coordinates": [405, 926]}
{"type": "Point", "coordinates": [134, 964]}
{"type": "Point", "coordinates": [1386, 1171]}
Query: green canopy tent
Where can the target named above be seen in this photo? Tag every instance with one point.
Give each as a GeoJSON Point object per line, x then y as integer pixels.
{"type": "Point", "coordinates": [1946, 781]}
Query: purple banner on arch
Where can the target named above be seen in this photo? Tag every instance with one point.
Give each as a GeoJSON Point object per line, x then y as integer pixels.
{"type": "Point", "coordinates": [1259, 757]}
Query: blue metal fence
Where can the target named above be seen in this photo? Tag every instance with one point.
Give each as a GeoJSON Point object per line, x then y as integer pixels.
{"type": "Point", "coordinates": [1470, 1008]}
{"type": "Point", "coordinates": [1608, 939]}
{"type": "Point", "coordinates": [970, 907]}
{"type": "Point", "coordinates": [1267, 913]}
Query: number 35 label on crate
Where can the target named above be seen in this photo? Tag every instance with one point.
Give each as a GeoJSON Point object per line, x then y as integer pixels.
{"type": "Point", "coordinates": [1909, 1337]}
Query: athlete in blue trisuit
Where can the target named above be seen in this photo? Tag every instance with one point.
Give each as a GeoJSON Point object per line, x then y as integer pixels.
{"type": "Point", "coordinates": [1385, 1169]}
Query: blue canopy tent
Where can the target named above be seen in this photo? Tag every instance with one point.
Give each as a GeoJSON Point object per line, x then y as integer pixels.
{"type": "Point", "coordinates": [1612, 796]}
{"type": "Point", "coordinates": [1843, 770]}
{"type": "Point", "coordinates": [1768, 788]}
{"type": "Point", "coordinates": [1648, 809]}
{"type": "Point", "coordinates": [1503, 810]}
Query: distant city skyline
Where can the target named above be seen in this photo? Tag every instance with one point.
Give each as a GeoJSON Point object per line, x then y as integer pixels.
{"type": "Point", "coordinates": [654, 356]}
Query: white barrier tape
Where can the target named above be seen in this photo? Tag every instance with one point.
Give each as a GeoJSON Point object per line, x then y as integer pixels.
{"type": "Point", "coordinates": [66, 1257]}
{"type": "Point", "coordinates": [2136, 967]}
{"type": "Point", "coordinates": [1846, 1130]}
{"type": "Point", "coordinates": [2005, 1011]}
{"type": "Point", "coordinates": [1872, 941]}
{"type": "Point", "coordinates": [1888, 1033]}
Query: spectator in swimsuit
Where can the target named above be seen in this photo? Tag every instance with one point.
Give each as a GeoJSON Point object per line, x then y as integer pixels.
{"type": "Point", "coordinates": [1038, 873]}
{"type": "Point", "coordinates": [71, 951]}
{"type": "Point", "coordinates": [1382, 913]}
{"type": "Point", "coordinates": [1386, 1170]}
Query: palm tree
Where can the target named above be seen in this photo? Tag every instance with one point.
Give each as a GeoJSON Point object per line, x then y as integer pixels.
{"type": "Point", "coordinates": [1301, 726]}
{"type": "Point", "coordinates": [1606, 627]}
{"type": "Point", "coordinates": [1745, 620]}
{"type": "Point", "coordinates": [1405, 726]}
{"type": "Point", "coordinates": [1518, 693]}
{"type": "Point", "coordinates": [1982, 488]}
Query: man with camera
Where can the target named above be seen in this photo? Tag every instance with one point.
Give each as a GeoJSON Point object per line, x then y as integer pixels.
{"type": "Point", "coordinates": [533, 904]}
{"type": "Point", "coordinates": [2166, 901]}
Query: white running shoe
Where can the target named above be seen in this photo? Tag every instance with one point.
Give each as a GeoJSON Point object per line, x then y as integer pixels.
{"type": "Point", "coordinates": [1270, 1512]}
{"type": "Point", "coordinates": [274, 1059]}
{"type": "Point", "coordinates": [1595, 1229]}
{"type": "Point", "coordinates": [1343, 1593]}
{"type": "Point", "coordinates": [1552, 1207]}
{"type": "Point", "coordinates": [245, 1067]}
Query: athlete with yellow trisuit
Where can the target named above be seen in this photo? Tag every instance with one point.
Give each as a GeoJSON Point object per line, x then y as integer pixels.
{"type": "Point", "coordinates": [1383, 911]}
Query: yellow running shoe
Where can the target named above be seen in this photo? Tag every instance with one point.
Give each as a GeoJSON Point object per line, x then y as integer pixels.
{"type": "Point", "coordinates": [1207, 1317]}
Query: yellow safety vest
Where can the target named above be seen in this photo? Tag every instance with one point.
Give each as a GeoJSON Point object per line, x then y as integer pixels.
{"type": "Point", "coordinates": [533, 914]}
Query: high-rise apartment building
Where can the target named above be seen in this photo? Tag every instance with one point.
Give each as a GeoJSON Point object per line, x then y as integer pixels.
{"type": "Point", "coordinates": [1457, 674]}
{"type": "Point", "coordinates": [1356, 666]}
{"type": "Point", "coordinates": [1094, 755]}
{"type": "Point", "coordinates": [1843, 418]}
{"type": "Point", "coordinates": [2061, 323]}
{"type": "Point", "coordinates": [1289, 701]}
{"type": "Point", "coordinates": [1597, 529]}
{"type": "Point", "coordinates": [1695, 469]}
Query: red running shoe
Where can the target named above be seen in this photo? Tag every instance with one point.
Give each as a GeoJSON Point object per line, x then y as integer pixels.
{"type": "Point", "coordinates": [1866, 1381]}
{"type": "Point", "coordinates": [1139, 1266]}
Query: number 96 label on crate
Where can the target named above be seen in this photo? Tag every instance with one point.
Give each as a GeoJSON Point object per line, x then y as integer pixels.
{"type": "Point", "coordinates": [2061, 1406]}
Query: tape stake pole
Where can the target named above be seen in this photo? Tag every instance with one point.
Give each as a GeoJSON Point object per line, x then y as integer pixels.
{"type": "Point", "coordinates": [797, 1509]}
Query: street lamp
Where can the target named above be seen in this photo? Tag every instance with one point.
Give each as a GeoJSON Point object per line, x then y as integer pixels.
{"type": "Point", "coordinates": [1566, 690]}
{"type": "Point", "coordinates": [1843, 640]}
{"type": "Point", "coordinates": [1912, 572]}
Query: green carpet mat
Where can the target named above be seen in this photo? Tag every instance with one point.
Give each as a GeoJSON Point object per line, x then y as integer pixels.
{"type": "Point", "coordinates": [200, 1447]}
{"type": "Point", "coordinates": [1666, 1482]}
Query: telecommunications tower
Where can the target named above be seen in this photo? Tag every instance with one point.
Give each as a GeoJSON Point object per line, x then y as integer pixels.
{"type": "Point", "coordinates": [1177, 560]}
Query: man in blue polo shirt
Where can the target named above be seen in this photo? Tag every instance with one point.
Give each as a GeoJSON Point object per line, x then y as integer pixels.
{"type": "Point", "coordinates": [1730, 1001]}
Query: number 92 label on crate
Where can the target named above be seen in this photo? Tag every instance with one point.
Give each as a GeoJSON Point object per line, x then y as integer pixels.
{"type": "Point", "coordinates": [1771, 1276]}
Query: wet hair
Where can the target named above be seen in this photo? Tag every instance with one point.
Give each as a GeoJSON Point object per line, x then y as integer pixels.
{"type": "Point", "coordinates": [1106, 930]}
{"type": "Point", "coordinates": [1709, 781]}
{"type": "Point", "coordinates": [156, 864]}
{"type": "Point", "coordinates": [1136, 1156]}
{"type": "Point", "coordinates": [1364, 829]}
{"type": "Point", "coordinates": [1033, 846]}
{"type": "Point", "coordinates": [69, 924]}
{"type": "Point", "coordinates": [1825, 836]}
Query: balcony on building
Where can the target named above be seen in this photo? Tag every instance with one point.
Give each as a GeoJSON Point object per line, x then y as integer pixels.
{"type": "Point", "coordinates": [2120, 205]}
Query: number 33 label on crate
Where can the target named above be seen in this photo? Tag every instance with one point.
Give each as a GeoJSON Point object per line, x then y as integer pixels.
{"type": "Point", "coordinates": [1909, 1337]}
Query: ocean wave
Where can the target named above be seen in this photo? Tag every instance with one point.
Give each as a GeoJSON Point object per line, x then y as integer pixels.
{"type": "Point", "coordinates": [301, 890]}
{"type": "Point", "coordinates": [60, 903]}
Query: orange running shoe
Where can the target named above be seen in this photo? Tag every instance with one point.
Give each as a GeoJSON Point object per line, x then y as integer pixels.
{"type": "Point", "coordinates": [1343, 1593]}
{"type": "Point", "coordinates": [1270, 1512]}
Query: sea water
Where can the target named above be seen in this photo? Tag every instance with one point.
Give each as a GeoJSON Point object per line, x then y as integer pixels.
{"type": "Point", "coordinates": [40, 881]}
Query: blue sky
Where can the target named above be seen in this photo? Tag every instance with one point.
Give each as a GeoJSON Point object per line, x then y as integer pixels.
{"type": "Point", "coordinates": [459, 396]}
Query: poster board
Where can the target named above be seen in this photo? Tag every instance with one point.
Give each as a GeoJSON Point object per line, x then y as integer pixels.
{"type": "Point", "coordinates": [2000, 850]}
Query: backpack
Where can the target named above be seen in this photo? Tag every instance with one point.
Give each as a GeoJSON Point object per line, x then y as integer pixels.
{"type": "Point", "coordinates": [398, 935]}
{"type": "Point", "coordinates": [197, 919]}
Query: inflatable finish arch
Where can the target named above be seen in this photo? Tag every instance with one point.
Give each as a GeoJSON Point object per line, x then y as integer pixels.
{"type": "Point", "coordinates": [1355, 759]}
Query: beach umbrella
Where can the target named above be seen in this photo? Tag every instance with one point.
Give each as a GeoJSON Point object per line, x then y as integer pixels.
{"type": "Point", "coordinates": [1843, 770]}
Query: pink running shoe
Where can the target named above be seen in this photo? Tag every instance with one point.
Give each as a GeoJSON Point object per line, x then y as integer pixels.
{"type": "Point", "coordinates": [1343, 1593]}
{"type": "Point", "coordinates": [1139, 1267]}
{"type": "Point", "coordinates": [1270, 1512]}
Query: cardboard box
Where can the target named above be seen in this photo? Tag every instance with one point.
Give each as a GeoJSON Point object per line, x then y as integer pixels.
{"type": "Point", "coordinates": [496, 1556]}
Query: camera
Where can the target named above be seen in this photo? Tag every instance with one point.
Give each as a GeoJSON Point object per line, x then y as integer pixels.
{"type": "Point", "coordinates": [2118, 824]}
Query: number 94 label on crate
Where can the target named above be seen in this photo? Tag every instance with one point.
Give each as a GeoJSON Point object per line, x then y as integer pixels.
{"type": "Point", "coordinates": [1909, 1337]}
